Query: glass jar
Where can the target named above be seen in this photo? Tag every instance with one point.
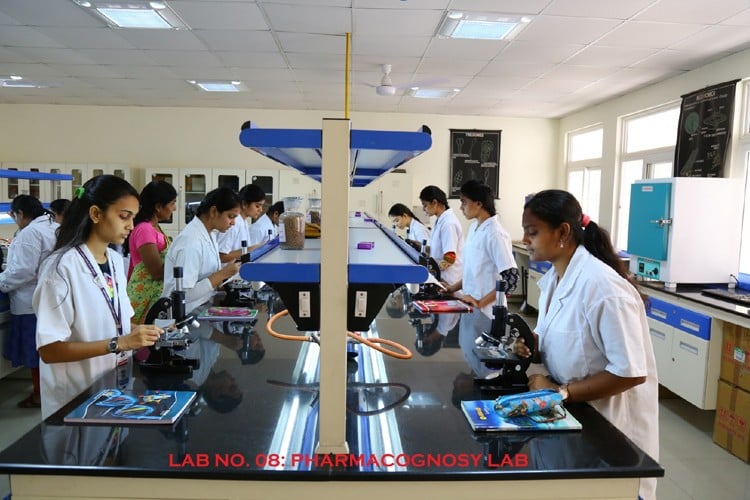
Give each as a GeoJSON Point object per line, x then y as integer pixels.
{"type": "Point", "coordinates": [292, 224]}
{"type": "Point", "coordinates": [313, 213]}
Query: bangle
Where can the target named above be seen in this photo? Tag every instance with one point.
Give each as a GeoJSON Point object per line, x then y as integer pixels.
{"type": "Point", "coordinates": [563, 390]}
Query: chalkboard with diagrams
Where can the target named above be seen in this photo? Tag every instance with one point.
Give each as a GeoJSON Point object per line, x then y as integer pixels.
{"type": "Point", "coordinates": [475, 154]}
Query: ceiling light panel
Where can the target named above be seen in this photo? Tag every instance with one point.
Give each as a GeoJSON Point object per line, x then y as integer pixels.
{"type": "Point", "coordinates": [481, 26]}
{"type": "Point", "coordinates": [134, 14]}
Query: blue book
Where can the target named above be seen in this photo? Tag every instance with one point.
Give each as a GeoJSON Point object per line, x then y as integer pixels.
{"type": "Point", "coordinates": [115, 406]}
{"type": "Point", "coordinates": [482, 417]}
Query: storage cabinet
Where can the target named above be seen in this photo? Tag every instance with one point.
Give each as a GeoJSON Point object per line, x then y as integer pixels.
{"type": "Point", "coordinates": [192, 185]}
{"type": "Point", "coordinates": [687, 348]}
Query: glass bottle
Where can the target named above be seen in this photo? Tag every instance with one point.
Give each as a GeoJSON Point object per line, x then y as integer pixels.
{"type": "Point", "coordinates": [313, 213]}
{"type": "Point", "coordinates": [292, 224]}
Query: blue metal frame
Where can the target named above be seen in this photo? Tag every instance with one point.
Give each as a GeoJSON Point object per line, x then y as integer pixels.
{"type": "Point", "coordinates": [41, 176]}
{"type": "Point", "coordinates": [374, 152]}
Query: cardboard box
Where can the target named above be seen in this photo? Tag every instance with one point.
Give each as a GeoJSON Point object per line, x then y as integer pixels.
{"type": "Point", "coordinates": [732, 422]}
{"type": "Point", "coordinates": [735, 356]}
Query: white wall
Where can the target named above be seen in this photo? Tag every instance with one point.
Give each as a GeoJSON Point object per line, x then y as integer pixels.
{"type": "Point", "coordinates": [608, 113]}
{"type": "Point", "coordinates": [200, 137]}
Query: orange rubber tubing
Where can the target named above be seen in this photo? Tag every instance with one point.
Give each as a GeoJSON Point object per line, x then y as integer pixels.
{"type": "Point", "coordinates": [372, 343]}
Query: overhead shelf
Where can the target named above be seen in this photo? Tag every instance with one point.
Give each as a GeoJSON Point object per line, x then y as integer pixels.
{"type": "Point", "coordinates": [38, 176]}
{"type": "Point", "coordinates": [373, 152]}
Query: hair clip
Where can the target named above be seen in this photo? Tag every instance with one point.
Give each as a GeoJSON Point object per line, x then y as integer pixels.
{"type": "Point", "coordinates": [78, 193]}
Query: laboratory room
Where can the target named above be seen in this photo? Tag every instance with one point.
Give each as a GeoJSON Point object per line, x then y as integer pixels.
{"type": "Point", "coordinates": [525, 223]}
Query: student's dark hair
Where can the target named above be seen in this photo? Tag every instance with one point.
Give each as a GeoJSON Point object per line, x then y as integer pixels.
{"type": "Point", "coordinates": [154, 193]}
{"type": "Point", "coordinates": [555, 207]}
{"type": "Point", "coordinates": [102, 191]}
{"type": "Point", "coordinates": [59, 206]}
{"type": "Point", "coordinates": [431, 193]}
{"type": "Point", "coordinates": [400, 209]}
{"type": "Point", "coordinates": [29, 205]}
{"type": "Point", "coordinates": [476, 191]}
{"type": "Point", "coordinates": [222, 198]}
{"type": "Point", "coordinates": [252, 193]}
{"type": "Point", "coordinates": [276, 207]}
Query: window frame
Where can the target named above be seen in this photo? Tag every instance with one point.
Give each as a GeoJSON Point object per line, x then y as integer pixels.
{"type": "Point", "coordinates": [587, 166]}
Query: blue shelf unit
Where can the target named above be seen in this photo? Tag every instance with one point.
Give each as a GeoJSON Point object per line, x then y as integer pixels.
{"type": "Point", "coordinates": [377, 271]}
{"type": "Point", "coordinates": [373, 152]}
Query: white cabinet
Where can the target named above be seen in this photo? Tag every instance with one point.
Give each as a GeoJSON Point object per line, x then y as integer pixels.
{"type": "Point", "coordinates": [82, 172]}
{"type": "Point", "coordinates": [687, 348]}
{"type": "Point", "coordinates": [192, 185]}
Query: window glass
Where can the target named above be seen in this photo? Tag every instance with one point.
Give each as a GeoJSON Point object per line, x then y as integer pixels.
{"type": "Point", "coordinates": [652, 131]}
{"type": "Point", "coordinates": [586, 145]}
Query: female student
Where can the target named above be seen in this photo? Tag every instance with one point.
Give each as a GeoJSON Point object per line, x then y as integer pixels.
{"type": "Point", "coordinates": [488, 253]}
{"type": "Point", "coordinates": [83, 311]}
{"type": "Point", "coordinates": [447, 240]}
{"type": "Point", "coordinates": [252, 198]}
{"type": "Point", "coordinates": [196, 252]}
{"type": "Point", "coordinates": [33, 242]}
{"type": "Point", "coordinates": [147, 246]}
{"type": "Point", "coordinates": [58, 208]}
{"type": "Point", "coordinates": [416, 232]}
{"type": "Point", "coordinates": [592, 333]}
{"type": "Point", "coordinates": [267, 222]}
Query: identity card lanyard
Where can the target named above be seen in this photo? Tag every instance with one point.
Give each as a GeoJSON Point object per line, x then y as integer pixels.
{"type": "Point", "coordinates": [115, 315]}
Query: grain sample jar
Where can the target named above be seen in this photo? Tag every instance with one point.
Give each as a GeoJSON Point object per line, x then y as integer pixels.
{"type": "Point", "coordinates": [313, 213]}
{"type": "Point", "coordinates": [292, 224]}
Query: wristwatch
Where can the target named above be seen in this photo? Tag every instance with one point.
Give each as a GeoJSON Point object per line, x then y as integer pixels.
{"type": "Point", "coordinates": [113, 347]}
{"type": "Point", "coordinates": [563, 390]}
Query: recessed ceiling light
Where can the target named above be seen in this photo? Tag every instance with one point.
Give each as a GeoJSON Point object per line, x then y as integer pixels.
{"type": "Point", "coordinates": [17, 82]}
{"type": "Point", "coordinates": [134, 14]}
{"type": "Point", "coordinates": [430, 93]}
{"type": "Point", "coordinates": [218, 86]}
{"type": "Point", "coordinates": [481, 26]}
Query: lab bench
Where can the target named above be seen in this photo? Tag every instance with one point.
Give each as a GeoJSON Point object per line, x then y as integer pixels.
{"type": "Point", "coordinates": [687, 333]}
{"type": "Point", "coordinates": [401, 416]}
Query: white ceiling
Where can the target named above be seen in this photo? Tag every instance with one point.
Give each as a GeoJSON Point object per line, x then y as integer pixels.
{"type": "Point", "coordinates": [290, 54]}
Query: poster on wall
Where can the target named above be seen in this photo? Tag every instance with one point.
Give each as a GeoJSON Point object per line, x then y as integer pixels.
{"type": "Point", "coordinates": [704, 131]}
{"type": "Point", "coordinates": [475, 154]}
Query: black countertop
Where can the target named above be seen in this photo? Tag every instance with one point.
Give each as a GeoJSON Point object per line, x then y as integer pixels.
{"type": "Point", "coordinates": [261, 422]}
{"type": "Point", "coordinates": [692, 292]}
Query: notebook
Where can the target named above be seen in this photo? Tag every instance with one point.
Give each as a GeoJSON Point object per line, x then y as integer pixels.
{"type": "Point", "coordinates": [442, 306]}
{"type": "Point", "coordinates": [481, 416]}
{"type": "Point", "coordinates": [115, 406]}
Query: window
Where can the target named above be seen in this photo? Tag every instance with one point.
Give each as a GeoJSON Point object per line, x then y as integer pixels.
{"type": "Point", "coordinates": [584, 168]}
{"type": "Point", "coordinates": [648, 145]}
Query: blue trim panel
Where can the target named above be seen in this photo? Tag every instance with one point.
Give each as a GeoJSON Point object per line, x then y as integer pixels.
{"type": "Point", "coordinates": [541, 266]}
{"type": "Point", "coordinates": [370, 273]}
{"type": "Point", "coordinates": [281, 272]}
{"type": "Point", "coordinates": [409, 250]}
{"type": "Point", "coordinates": [263, 249]}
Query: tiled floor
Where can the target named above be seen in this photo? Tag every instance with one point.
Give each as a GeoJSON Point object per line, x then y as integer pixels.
{"type": "Point", "coordinates": [696, 468]}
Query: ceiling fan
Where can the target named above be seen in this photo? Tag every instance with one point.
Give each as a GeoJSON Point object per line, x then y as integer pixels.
{"type": "Point", "coordinates": [387, 88]}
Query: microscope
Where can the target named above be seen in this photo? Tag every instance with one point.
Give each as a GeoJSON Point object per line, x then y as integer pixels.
{"type": "Point", "coordinates": [495, 349]}
{"type": "Point", "coordinates": [169, 312]}
{"type": "Point", "coordinates": [238, 292]}
{"type": "Point", "coordinates": [429, 291]}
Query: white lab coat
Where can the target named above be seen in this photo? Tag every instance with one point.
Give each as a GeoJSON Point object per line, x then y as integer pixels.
{"type": "Point", "coordinates": [69, 306]}
{"type": "Point", "coordinates": [447, 236]}
{"type": "Point", "coordinates": [594, 320]}
{"type": "Point", "coordinates": [195, 250]}
{"type": "Point", "coordinates": [25, 254]}
{"type": "Point", "coordinates": [487, 252]}
{"type": "Point", "coordinates": [232, 239]}
{"type": "Point", "coordinates": [259, 230]}
{"type": "Point", "coordinates": [418, 232]}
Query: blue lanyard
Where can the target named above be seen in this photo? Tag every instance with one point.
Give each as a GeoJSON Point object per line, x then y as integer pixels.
{"type": "Point", "coordinates": [115, 315]}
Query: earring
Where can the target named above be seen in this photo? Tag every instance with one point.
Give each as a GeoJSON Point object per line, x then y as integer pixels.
{"type": "Point", "coordinates": [562, 244]}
